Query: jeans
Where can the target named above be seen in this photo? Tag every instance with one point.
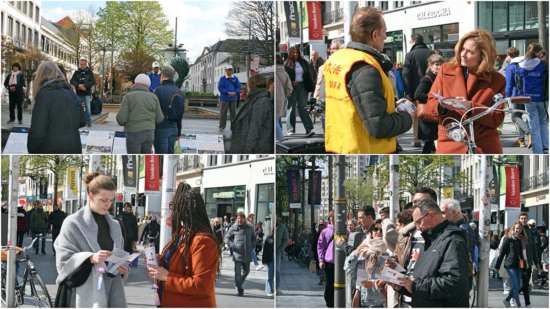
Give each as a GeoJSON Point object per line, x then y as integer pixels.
{"type": "Point", "coordinates": [515, 279]}
{"type": "Point", "coordinates": [16, 100]}
{"type": "Point", "coordinates": [36, 244]}
{"type": "Point", "coordinates": [269, 288]}
{"type": "Point", "coordinates": [278, 270]}
{"type": "Point", "coordinates": [279, 130]}
{"type": "Point", "coordinates": [539, 126]}
{"type": "Point", "coordinates": [140, 142]}
{"type": "Point", "coordinates": [241, 272]}
{"type": "Point", "coordinates": [297, 100]}
{"type": "Point", "coordinates": [523, 127]}
{"type": "Point", "coordinates": [165, 138]}
{"type": "Point", "coordinates": [255, 258]}
{"type": "Point", "coordinates": [86, 99]}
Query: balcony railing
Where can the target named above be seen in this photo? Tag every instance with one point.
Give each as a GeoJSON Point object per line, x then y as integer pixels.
{"type": "Point", "coordinates": [333, 17]}
{"type": "Point", "coordinates": [534, 182]}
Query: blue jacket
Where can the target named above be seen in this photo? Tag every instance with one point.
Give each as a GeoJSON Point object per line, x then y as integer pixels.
{"type": "Point", "coordinates": [471, 236]}
{"type": "Point", "coordinates": [532, 72]}
{"type": "Point", "coordinates": [399, 83]}
{"type": "Point", "coordinates": [164, 93]}
{"type": "Point", "coordinates": [225, 86]}
{"type": "Point", "coordinates": [155, 80]}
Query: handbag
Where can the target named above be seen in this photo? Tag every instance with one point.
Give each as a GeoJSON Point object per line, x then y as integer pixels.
{"type": "Point", "coordinates": [421, 112]}
{"type": "Point", "coordinates": [520, 262]}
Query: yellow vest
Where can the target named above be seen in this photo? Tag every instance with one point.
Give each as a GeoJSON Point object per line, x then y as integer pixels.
{"type": "Point", "coordinates": [344, 130]}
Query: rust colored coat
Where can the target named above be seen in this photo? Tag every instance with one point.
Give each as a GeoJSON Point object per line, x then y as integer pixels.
{"type": "Point", "coordinates": [480, 91]}
{"type": "Point", "coordinates": [194, 287]}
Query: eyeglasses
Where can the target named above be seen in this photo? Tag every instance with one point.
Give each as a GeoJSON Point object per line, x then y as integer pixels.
{"type": "Point", "coordinates": [417, 222]}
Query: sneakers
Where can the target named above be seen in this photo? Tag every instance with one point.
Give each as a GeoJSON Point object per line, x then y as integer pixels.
{"type": "Point", "coordinates": [288, 133]}
{"type": "Point", "coordinates": [518, 143]}
{"type": "Point", "coordinates": [89, 124]}
{"type": "Point", "coordinates": [270, 294]}
{"type": "Point", "coordinates": [260, 267]}
{"type": "Point", "coordinates": [529, 306]}
{"type": "Point", "coordinates": [506, 303]}
{"type": "Point", "coordinates": [11, 121]}
{"type": "Point", "coordinates": [43, 252]}
{"type": "Point", "coordinates": [513, 303]}
{"type": "Point", "coordinates": [278, 291]}
{"type": "Point", "coordinates": [309, 132]}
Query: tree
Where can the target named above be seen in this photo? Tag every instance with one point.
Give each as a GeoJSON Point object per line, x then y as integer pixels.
{"type": "Point", "coordinates": [254, 19]}
{"type": "Point", "coordinates": [5, 167]}
{"type": "Point", "coordinates": [30, 60]}
{"type": "Point", "coordinates": [109, 26]}
{"type": "Point", "coordinates": [133, 63]}
{"type": "Point", "coordinates": [9, 53]}
{"type": "Point", "coordinates": [79, 33]}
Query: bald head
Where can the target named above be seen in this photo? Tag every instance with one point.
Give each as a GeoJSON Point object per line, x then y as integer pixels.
{"type": "Point", "coordinates": [314, 55]}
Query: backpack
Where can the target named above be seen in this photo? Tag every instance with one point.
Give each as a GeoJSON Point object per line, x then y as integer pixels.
{"type": "Point", "coordinates": [519, 80]}
{"type": "Point", "coordinates": [176, 108]}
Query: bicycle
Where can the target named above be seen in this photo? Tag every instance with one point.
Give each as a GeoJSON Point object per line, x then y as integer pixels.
{"type": "Point", "coordinates": [303, 257]}
{"type": "Point", "coordinates": [30, 275]}
{"type": "Point", "coordinates": [309, 108]}
{"type": "Point", "coordinates": [457, 131]}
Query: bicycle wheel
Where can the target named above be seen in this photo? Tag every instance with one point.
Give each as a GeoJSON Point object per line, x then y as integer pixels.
{"type": "Point", "coordinates": [40, 292]}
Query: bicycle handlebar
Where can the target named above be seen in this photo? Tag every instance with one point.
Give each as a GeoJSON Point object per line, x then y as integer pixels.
{"type": "Point", "coordinates": [38, 236]}
{"type": "Point", "coordinates": [519, 100]}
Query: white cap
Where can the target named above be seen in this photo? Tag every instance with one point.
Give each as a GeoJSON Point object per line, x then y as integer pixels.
{"type": "Point", "coordinates": [143, 79]}
{"type": "Point", "coordinates": [156, 64]}
{"type": "Point", "coordinates": [532, 222]}
{"type": "Point", "coordinates": [229, 67]}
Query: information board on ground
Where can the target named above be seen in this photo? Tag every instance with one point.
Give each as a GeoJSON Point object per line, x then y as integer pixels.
{"type": "Point", "coordinates": [119, 145]}
{"type": "Point", "coordinates": [17, 141]}
{"type": "Point", "coordinates": [202, 144]}
{"type": "Point", "coordinates": [100, 142]}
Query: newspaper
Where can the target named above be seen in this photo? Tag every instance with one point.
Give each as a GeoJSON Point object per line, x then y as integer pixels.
{"type": "Point", "coordinates": [450, 102]}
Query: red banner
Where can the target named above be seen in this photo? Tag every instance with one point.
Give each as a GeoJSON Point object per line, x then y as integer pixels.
{"type": "Point", "coordinates": [512, 190]}
{"type": "Point", "coordinates": [151, 175]}
{"type": "Point", "coordinates": [314, 23]}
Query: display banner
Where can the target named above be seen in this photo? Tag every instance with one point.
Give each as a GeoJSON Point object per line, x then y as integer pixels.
{"type": "Point", "coordinates": [292, 19]}
{"type": "Point", "coordinates": [294, 193]}
{"type": "Point", "coordinates": [512, 190]}
{"type": "Point", "coordinates": [316, 192]}
{"type": "Point", "coordinates": [129, 169]}
{"type": "Point", "coordinates": [151, 175]}
{"type": "Point", "coordinates": [282, 199]}
{"type": "Point", "coordinates": [71, 181]}
{"type": "Point", "coordinates": [314, 22]}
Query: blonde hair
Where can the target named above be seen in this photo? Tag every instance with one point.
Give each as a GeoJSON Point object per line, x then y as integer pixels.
{"type": "Point", "coordinates": [95, 183]}
{"type": "Point", "coordinates": [511, 232]}
{"type": "Point", "coordinates": [46, 71]}
{"type": "Point", "coordinates": [486, 45]}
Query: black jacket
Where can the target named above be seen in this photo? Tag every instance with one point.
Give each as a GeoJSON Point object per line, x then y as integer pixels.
{"type": "Point", "coordinates": [441, 271]}
{"type": "Point", "coordinates": [309, 83]}
{"type": "Point", "coordinates": [152, 229]}
{"type": "Point", "coordinates": [56, 118]}
{"type": "Point", "coordinates": [510, 253]}
{"type": "Point", "coordinates": [253, 127]}
{"type": "Point", "coordinates": [130, 225]}
{"type": "Point", "coordinates": [427, 130]}
{"type": "Point", "coordinates": [20, 82]}
{"type": "Point", "coordinates": [85, 77]}
{"type": "Point", "coordinates": [414, 68]}
{"type": "Point", "coordinates": [218, 230]}
{"type": "Point", "coordinates": [314, 68]}
{"type": "Point", "coordinates": [56, 218]}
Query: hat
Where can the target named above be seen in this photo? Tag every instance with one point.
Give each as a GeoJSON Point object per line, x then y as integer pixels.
{"type": "Point", "coordinates": [229, 67]}
{"type": "Point", "coordinates": [156, 64]}
{"type": "Point", "coordinates": [532, 222]}
{"type": "Point", "coordinates": [143, 79]}
{"type": "Point", "coordinates": [472, 224]}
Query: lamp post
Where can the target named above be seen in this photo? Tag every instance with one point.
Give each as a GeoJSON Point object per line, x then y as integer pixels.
{"type": "Point", "coordinates": [105, 48]}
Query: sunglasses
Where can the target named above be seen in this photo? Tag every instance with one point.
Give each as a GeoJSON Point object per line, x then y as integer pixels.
{"type": "Point", "coordinates": [376, 229]}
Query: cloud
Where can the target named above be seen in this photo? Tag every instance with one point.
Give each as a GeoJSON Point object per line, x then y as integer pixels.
{"type": "Point", "coordinates": [56, 14]}
{"type": "Point", "coordinates": [200, 40]}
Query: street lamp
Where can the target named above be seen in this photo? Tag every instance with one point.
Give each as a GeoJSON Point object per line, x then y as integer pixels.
{"type": "Point", "coordinates": [104, 48]}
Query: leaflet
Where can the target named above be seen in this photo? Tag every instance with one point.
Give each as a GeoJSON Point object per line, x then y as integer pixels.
{"type": "Point", "coordinates": [451, 102]}
{"type": "Point", "coordinates": [150, 256]}
{"type": "Point", "coordinates": [387, 274]}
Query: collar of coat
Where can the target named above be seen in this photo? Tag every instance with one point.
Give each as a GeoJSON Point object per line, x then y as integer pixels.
{"type": "Point", "coordinates": [139, 87]}
{"type": "Point", "coordinates": [257, 92]}
{"type": "Point", "coordinates": [378, 56]}
{"type": "Point", "coordinates": [419, 46]}
{"type": "Point", "coordinates": [454, 75]}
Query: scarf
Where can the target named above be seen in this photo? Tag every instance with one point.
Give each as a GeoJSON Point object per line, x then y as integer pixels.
{"type": "Point", "coordinates": [375, 248]}
{"type": "Point", "coordinates": [13, 78]}
{"type": "Point", "coordinates": [523, 248]}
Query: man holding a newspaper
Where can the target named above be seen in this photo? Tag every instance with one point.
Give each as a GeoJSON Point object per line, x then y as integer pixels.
{"type": "Point", "coordinates": [440, 277]}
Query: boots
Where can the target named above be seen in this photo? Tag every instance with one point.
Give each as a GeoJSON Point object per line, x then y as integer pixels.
{"type": "Point", "coordinates": [518, 143]}
{"type": "Point", "coordinates": [529, 143]}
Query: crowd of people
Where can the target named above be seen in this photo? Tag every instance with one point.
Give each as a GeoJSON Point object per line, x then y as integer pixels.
{"type": "Point", "coordinates": [436, 247]}
{"type": "Point", "coordinates": [365, 101]}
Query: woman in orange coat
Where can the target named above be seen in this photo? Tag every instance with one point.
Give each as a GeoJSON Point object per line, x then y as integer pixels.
{"type": "Point", "coordinates": [471, 78]}
{"type": "Point", "coordinates": [188, 265]}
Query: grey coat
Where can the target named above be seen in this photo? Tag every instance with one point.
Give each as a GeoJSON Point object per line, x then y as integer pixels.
{"type": "Point", "coordinates": [242, 239]}
{"type": "Point", "coordinates": [76, 243]}
{"type": "Point", "coordinates": [281, 237]}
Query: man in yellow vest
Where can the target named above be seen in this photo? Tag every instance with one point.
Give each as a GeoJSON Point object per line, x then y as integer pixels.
{"type": "Point", "coordinates": [360, 105]}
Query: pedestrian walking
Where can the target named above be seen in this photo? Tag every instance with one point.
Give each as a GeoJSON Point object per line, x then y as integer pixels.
{"type": "Point", "coordinates": [152, 230]}
{"type": "Point", "coordinates": [252, 129]}
{"type": "Point", "coordinates": [315, 240]}
{"type": "Point", "coordinates": [268, 258]}
{"type": "Point", "coordinates": [325, 251]}
{"type": "Point", "coordinates": [130, 226]}
{"type": "Point", "coordinates": [441, 271]}
{"type": "Point", "coordinates": [83, 81]}
{"type": "Point", "coordinates": [186, 275]}
{"type": "Point", "coordinates": [526, 76]}
{"type": "Point", "coordinates": [57, 114]}
{"type": "Point", "coordinates": [86, 240]}
{"type": "Point", "coordinates": [298, 70]}
{"type": "Point", "coordinates": [514, 254]}
{"type": "Point", "coordinates": [414, 69]}
{"type": "Point", "coordinates": [471, 78]}
{"type": "Point", "coordinates": [29, 214]}
{"type": "Point", "coordinates": [281, 238]}
{"type": "Point", "coordinates": [360, 109]}
{"type": "Point", "coordinates": [229, 88]}
{"type": "Point", "coordinates": [139, 112]}
{"type": "Point", "coordinates": [172, 104]}
{"type": "Point", "coordinates": [531, 246]}
{"type": "Point", "coordinates": [56, 218]}
{"type": "Point", "coordinates": [242, 240]}
{"type": "Point", "coordinates": [427, 131]}
{"type": "Point", "coordinates": [154, 76]}
{"type": "Point", "coordinates": [511, 53]}
{"type": "Point", "coordinates": [14, 82]}
{"type": "Point", "coordinates": [254, 257]}
{"type": "Point", "coordinates": [284, 89]}
{"type": "Point", "coordinates": [315, 62]}
{"type": "Point", "coordinates": [39, 224]}
{"type": "Point", "coordinates": [259, 231]}
{"type": "Point", "coordinates": [21, 225]}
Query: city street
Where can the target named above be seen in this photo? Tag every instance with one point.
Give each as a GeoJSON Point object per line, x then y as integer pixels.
{"type": "Point", "coordinates": [507, 137]}
{"type": "Point", "coordinates": [138, 287]}
{"type": "Point", "coordinates": [300, 289]}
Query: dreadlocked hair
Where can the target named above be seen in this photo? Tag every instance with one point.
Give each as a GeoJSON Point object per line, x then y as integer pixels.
{"type": "Point", "coordinates": [189, 217]}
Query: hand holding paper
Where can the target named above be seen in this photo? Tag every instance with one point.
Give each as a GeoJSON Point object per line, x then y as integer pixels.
{"type": "Point", "coordinates": [452, 103]}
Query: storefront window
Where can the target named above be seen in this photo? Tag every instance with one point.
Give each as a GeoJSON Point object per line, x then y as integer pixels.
{"type": "Point", "coordinates": [210, 195]}
{"type": "Point", "coordinates": [499, 16]}
{"type": "Point", "coordinates": [265, 201]}
{"type": "Point", "coordinates": [516, 16]}
{"type": "Point", "coordinates": [431, 34]}
{"type": "Point", "coordinates": [265, 193]}
{"type": "Point", "coordinates": [501, 46]}
{"type": "Point", "coordinates": [531, 17]}
{"type": "Point", "coordinates": [485, 16]}
{"type": "Point", "coordinates": [519, 44]}
{"type": "Point", "coordinates": [450, 32]}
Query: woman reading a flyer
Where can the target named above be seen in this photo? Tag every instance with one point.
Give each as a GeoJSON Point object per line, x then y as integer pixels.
{"type": "Point", "coordinates": [188, 265]}
{"type": "Point", "coordinates": [85, 241]}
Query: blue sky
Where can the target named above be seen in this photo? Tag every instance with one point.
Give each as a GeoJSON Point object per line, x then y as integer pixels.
{"type": "Point", "coordinates": [200, 23]}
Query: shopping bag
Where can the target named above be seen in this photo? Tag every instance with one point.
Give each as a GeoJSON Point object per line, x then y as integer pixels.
{"type": "Point", "coordinates": [493, 256]}
{"type": "Point", "coordinates": [134, 263]}
{"type": "Point", "coordinates": [177, 147]}
{"type": "Point", "coordinates": [312, 267]}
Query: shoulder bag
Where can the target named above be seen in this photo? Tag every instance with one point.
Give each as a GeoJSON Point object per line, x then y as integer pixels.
{"type": "Point", "coordinates": [421, 111]}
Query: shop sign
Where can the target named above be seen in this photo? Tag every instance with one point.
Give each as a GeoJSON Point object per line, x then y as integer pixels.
{"type": "Point", "coordinates": [229, 194]}
{"type": "Point", "coordinates": [540, 198]}
{"type": "Point", "coordinates": [398, 37]}
{"type": "Point", "coordinates": [389, 39]}
{"type": "Point", "coordinates": [434, 13]}
{"type": "Point", "coordinates": [239, 193]}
